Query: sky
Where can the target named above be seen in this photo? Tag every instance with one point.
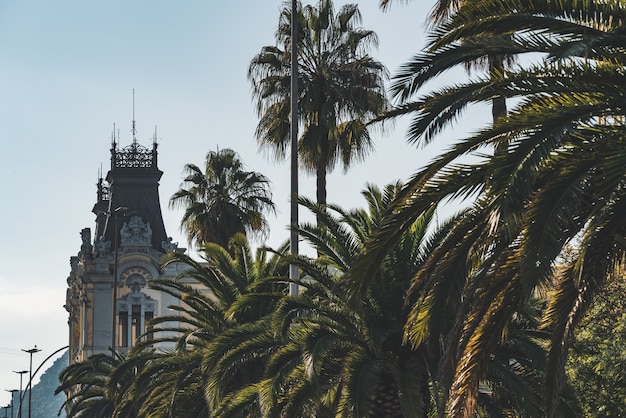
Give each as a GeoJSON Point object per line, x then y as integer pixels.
{"type": "Point", "coordinates": [68, 69]}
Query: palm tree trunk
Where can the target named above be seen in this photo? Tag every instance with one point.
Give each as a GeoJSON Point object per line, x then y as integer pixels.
{"type": "Point", "coordinates": [321, 169]}
{"type": "Point", "coordinates": [385, 400]}
{"type": "Point", "coordinates": [321, 184]}
{"type": "Point", "coordinates": [321, 176]}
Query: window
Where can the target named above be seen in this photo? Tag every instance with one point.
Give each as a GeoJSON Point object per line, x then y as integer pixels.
{"type": "Point", "coordinates": [132, 324]}
{"type": "Point", "coordinates": [123, 330]}
{"type": "Point", "coordinates": [137, 329]}
{"type": "Point", "coordinates": [135, 308]}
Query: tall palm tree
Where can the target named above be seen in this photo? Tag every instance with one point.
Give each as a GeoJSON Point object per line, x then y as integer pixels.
{"type": "Point", "coordinates": [436, 60]}
{"type": "Point", "coordinates": [560, 182]}
{"type": "Point", "coordinates": [340, 88]}
{"type": "Point", "coordinates": [223, 199]}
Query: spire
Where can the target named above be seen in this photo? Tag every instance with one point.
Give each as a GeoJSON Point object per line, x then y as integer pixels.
{"type": "Point", "coordinates": [154, 147]}
{"type": "Point", "coordinates": [113, 138]}
{"type": "Point", "coordinates": [133, 155]}
{"type": "Point", "coordinates": [134, 128]}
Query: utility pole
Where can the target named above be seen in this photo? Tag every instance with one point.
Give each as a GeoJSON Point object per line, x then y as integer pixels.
{"type": "Point", "coordinates": [120, 211]}
{"type": "Point", "coordinates": [293, 238]}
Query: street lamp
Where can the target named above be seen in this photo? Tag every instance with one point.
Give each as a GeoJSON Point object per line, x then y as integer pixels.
{"type": "Point", "coordinates": [12, 391]}
{"type": "Point", "coordinates": [120, 211]}
{"type": "Point", "coordinates": [19, 409]}
{"type": "Point", "coordinates": [30, 380]}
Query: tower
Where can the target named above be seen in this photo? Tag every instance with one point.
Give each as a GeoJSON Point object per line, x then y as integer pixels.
{"type": "Point", "coordinates": [108, 298]}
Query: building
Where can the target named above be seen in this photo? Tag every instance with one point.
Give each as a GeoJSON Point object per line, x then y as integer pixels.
{"type": "Point", "coordinates": [108, 298]}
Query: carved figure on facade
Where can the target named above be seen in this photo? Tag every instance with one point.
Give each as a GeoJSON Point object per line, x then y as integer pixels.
{"type": "Point", "coordinates": [73, 265]}
{"type": "Point", "coordinates": [140, 298]}
{"type": "Point", "coordinates": [73, 301]}
{"type": "Point", "coordinates": [169, 246]}
{"type": "Point", "coordinates": [85, 248]}
{"type": "Point", "coordinates": [135, 278]}
{"type": "Point", "coordinates": [136, 232]}
{"type": "Point", "coordinates": [102, 247]}
{"type": "Point", "coordinates": [136, 283]}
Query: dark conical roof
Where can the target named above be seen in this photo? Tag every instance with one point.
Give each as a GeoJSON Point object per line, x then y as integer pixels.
{"type": "Point", "coordinates": [133, 183]}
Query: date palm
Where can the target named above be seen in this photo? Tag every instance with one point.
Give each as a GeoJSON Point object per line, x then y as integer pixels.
{"type": "Point", "coordinates": [223, 199]}
{"type": "Point", "coordinates": [343, 358]}
{"type": "Point", "coordinates": [439, 57]}
{"type": "Point", "coordinates": [340, 360]}
{"type": "Point", "coordinates": [561, 182]}
{"type": "Point", "coordinates": [441, 10]}
{"type": "Point", "coordinates": [340, 88]}
{"type": "Point", "coordinates": [237, 357]}
{"type": "Point", "coordinates": [88, 388]}
{"type": "Point", "coordinates": [220, 296]}
{"type": "Point", "coordinates": [167, 383]}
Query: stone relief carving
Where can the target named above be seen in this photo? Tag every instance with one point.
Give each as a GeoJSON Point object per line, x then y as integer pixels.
{"type": "Point", "coordinates": [169, 246]}
{"type": "Point", "coordinates": [135, 232]}
{"type": "Point", "coordinates": [102, 247]}
{"type": "Point", "coordinates": [126, 302]}
{"type": "Point", "coordinates": [73, 265]}
{"type": "Point", "coordinates": [85, 248]}
{"type": "Point", "coordinates": [136, 283]}
{"type": "Point", "coordinates": [135, 278]}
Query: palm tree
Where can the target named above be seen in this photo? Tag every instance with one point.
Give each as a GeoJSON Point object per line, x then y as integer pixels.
{"type": "Point", "coordinates": [171, 381]}
{"type": "Point", "coordinates": [340, 88]}
{"type": "Point", "coordinates": [441, 10]}
{"type": "Point", "coordinates": [350, 359]}
{"type": "Point", "coordinates": [221, 298]}
{"type": "Point", "coordinates": [237, 357]}
{"type": "Point", "coordinates": [561, 182]}
{"type": "Point", "coordinates": [222, 200]}
{"type": "Point", "coordinates": [86, 384]}
{"type": "Point", "coordinates": [442, 56]}
{"type": "Point", "coordinates": [337, 360]}
{"type": "Point", "coordinates": [167, 383]}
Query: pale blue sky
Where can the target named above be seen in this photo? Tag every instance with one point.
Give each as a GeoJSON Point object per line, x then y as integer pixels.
{"type": "Point", "coordinates": [67, 71]}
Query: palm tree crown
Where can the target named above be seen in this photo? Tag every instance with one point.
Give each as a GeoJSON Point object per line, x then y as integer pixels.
{"type": "Point", "coordinates": [340, 88]}
{"type": "Point", "coordinates": [222, 200]}
{"type": "Point", "coordinates": [560, 183]}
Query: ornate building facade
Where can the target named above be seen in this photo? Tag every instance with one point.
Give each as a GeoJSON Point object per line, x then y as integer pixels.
{"type": "Point", "coordinates": [108, 298]}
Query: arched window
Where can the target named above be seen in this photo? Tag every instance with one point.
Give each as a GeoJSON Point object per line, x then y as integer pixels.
{"type": "Point", "coordinates": [135, 308]}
